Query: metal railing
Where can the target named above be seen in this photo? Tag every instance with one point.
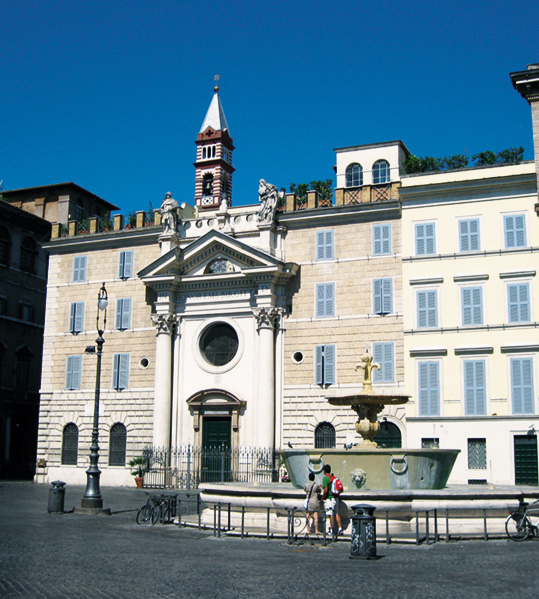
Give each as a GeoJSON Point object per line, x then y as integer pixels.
{"type": "Point", "coordinates": [188, 466]}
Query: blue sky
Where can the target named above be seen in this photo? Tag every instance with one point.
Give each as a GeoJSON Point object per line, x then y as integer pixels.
{"type": "Point", "coordinates": [111, 94]}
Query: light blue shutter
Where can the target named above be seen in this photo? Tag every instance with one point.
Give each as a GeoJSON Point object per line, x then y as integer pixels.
{"type": "Point", "coordinates": [381, 239]}
{"type": "Point", "coordinates": [377, 296]}
{"type": "Point", "coordinates": [329, 364]}
{"type": "Point", "coordinates": [320, 300]}
{"type": "Point", "coordinates": [126, 264]}
{"type": "Point", "coordinates": [383, 355]}
{"type": "Point", "coordinates": [475, 387]}
{"type": "Point", "coordinates": [328, 291]}
{"type": "Point", "coordinates": [515, 231]}
{"type": "Point", "coordinates": [522, 385]}
{"type": "Point", "coordinates": [427, 309]}
{"type": "Point", "coordinates": [425, 242]}
{"type": "Point", "coordinates": [123, 314]}
{"type": "Point", "coordinates": [319, 357]}
{"type": "Point", "coordinates": [383, 296]}
{"type": "Point", "coordinates": [76, 320]}
{"type": "Point", "coordinates": [472, 306]}
{"type": "Point", "coordinates": [120, 373]}
{"type": "Point", "coordinates": [324, 245]}
{"type": "Point", "coordinates": [519, 302]}
{"type": "Point", "coordinates": [429, 389]}
{"type": "Point", "coordinates": [79, 269]}
{"type": "Point", "coordinates": [73, 374]}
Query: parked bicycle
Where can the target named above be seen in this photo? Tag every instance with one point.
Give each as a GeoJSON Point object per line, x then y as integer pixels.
{"type": "Point", "coordinates": [158, 508]}
{"type": "Point", "coordinates": [519, 525]}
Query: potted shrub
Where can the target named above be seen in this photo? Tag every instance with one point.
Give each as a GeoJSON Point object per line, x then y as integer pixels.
{"type": "Point", "coordinates": [139, 467]}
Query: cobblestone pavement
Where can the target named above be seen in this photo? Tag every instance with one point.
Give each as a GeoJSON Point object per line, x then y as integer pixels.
{"type": "Point", "coordinates": [100, 557]}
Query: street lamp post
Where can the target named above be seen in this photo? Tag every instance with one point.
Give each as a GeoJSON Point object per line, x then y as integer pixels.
{"type": "Point", "coordinates": [92, 497]}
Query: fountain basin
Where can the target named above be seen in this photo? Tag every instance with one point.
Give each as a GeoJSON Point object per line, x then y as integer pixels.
{"type": "Point", "coordinates": [373, 468]}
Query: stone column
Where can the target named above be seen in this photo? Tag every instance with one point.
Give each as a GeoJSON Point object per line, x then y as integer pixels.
{"type": "Point", "coordinates": [162, 407]}
{"type": "Point", "coordinates": [266, 319]}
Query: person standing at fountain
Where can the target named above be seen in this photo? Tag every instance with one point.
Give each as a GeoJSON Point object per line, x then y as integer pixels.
{"type": "Point", "coordinates": [312, 503]}
{"type": "Point", "coordinates": [331, 502]}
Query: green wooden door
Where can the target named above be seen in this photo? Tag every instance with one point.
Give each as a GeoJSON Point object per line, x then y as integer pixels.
{"type": "Point", "coordinates": [526, 467]}
{"type": "Point", "coordinates": [216, 449]}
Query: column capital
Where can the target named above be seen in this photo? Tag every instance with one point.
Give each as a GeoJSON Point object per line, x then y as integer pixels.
{"type": "Point", "coordinates": [164, 323]}
{"type": "Point", "coordinates": [267, 318]}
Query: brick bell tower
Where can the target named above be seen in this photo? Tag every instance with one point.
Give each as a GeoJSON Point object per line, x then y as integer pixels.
{"type": "Point", "coordinates": [214, 158]}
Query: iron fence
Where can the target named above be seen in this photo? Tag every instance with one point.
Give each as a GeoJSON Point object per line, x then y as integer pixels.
{"type": "Point", "coordinates": [188, 466]}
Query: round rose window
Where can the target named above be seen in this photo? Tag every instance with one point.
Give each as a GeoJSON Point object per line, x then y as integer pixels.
{"type": "Point", "coordinates": [219, 344]}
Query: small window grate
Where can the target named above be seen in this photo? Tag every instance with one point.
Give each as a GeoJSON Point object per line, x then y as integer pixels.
{"type": "Point", "coordinates": [324, 436]}
{"type": "Point", "coordinates": [477, 454]}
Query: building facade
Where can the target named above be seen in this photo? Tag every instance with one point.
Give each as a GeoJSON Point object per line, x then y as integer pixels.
{"type": "Point", "coordinates": [23, 283]}
{"type": "Point", "coordinates": [232, 326]}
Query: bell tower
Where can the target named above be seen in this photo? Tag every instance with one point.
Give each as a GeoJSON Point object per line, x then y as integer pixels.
{"type": "Point", "coordinates": [214, 158]}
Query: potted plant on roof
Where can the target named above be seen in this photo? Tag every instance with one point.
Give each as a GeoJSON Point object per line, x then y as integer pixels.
{"type": "Point", "coordinates": [139, 467]}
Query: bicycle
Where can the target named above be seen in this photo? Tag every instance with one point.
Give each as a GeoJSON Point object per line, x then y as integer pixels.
{"type": "Point", "coordinates": [518, 525]}
{"type": "Point", "coordinates": [146, 511]}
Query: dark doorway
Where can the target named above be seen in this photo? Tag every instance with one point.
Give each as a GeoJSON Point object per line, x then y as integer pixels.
{"type": "Point", "coordinates": [526, 472]}
{"type": "Point", "coordinates": [388, 435]}
{"type": "Point", "coordinates": [216, 456]}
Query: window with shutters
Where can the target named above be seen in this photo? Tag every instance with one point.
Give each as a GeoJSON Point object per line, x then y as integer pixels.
{"type": "Point", "coordinates": [427, 308]}
{"type": "Point", "coordinates": [70, 444]}
{"type": "Point", "coordinates": [383, 354]}
{"type": "Point", "coordinates": [117, 445]}
{"type": "Point", "coordinates": [429, 388]}
{"type": "Point", "coordinates": [514, 227]}
{"type": "Point", "coordinates": [382, 296]}
{"type": "Point", "coordinates": [354, 175]}
{"type": "Point", "coordinates": [324, 436]}
{"type": "Point", "coordinates": [73, 372]}
{"type": "Point", "coordinates": [469, 235]}
{"type": "Point", "coordinates": [325, 364]}
{"type": "Point", "coordinates": [425, 239]}
{"type": "Point", "coordinates": [76, 318]}
{"type": "Point", "coordinates": [123, 314]}
{"type": "Point", "coordinates": [325, 300]}
{"type": "Point", "coordinates": [381, 239]}
{"type": "Point", "coordinates": [477, 454]}
{"type": "Point", "coordinates": [522, 395]}
{"type": "Point", "coordinates": [475, 394]}
{"type": "Point", "coordinates": [125, 269]}
{"type": "Point", "coordinates": [120, 372]}
{"type": "Point", "coordinates": [518, 300]}
{"type": "Point", "coordinates": [79, 269]}
{"type": "Point", "coordinates": [472, 305]}
{"type": "Point", "coordinates": [324, 245]}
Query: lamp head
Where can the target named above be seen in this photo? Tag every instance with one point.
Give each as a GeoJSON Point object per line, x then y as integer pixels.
{"type": "Point", "coordinates": [102, 298]}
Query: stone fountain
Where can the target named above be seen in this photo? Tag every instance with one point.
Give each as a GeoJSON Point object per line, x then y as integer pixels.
{"type": "Point", "coordinates": [369, 467]}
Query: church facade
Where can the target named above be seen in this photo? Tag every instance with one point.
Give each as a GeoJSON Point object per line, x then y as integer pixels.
{"type": "Point", "coordinates": [231, 326]}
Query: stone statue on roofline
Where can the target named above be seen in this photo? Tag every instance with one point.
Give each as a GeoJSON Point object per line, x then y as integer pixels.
{"type": "Point", "coordinates": [169, 214]}
{"type": "Point", "coordinates": [268, 196]}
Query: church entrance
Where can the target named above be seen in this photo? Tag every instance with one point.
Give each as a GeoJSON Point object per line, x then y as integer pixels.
{"type": "Point", "coordinates": [216, 451]}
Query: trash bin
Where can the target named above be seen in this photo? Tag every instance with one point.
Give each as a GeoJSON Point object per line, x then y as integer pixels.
{"type": "Point", "coordinates": [56, 497]}
{"type": "Point", "coordinates": [363, 532]}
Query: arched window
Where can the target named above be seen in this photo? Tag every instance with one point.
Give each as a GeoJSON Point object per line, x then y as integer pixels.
{"type": "Point", "coordinates": [388, 435]}
{"type": "Point", "coordinates": [324, 436]}
{"type": "Point", "coordinates": [28, 255]}
{"type": "Point", "coordinates": [118, 441]}
{"type": "Point", "coordinates": [380, 172]}
{"type": "Point", "coordinates": [354, 175]}
{"type": "Point", "coordinates": [5, 246]}
{"type": "Point", "coordinates": [70, 444]}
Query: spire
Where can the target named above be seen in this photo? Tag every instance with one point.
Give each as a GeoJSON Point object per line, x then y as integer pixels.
{"type": "Point", "coordinates": [215, 117]}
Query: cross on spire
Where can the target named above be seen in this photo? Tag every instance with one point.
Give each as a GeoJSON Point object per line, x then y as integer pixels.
{"type": "Point", "coordinates": [216, 78]}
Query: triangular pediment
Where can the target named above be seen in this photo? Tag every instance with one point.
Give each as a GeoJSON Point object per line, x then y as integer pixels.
{"type": "Point", "coordinates": [196, 259]}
